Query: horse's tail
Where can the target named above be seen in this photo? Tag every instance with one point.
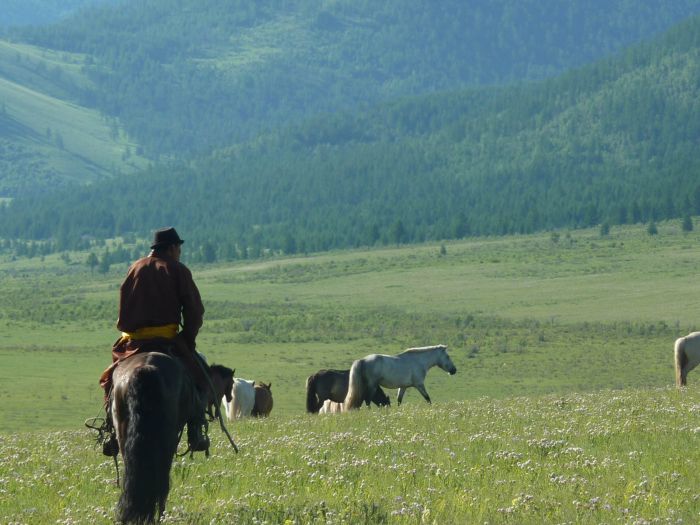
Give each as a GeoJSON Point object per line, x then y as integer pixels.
{"type": "Point", "coordinates": [681, 359]}
{"type": "Point", "coordinates": [356, 386]}
{"type": "Point", "coordinates": [312, 403]}
{"type": "Point", "coordinates": [151, 441]}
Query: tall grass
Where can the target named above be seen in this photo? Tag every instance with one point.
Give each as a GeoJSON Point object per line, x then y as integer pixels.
{"type": "Point", "coordinates": [605, 457]}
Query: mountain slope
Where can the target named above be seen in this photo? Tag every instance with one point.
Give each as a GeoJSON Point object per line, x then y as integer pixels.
{"type": "Point", "coordinates": [613, 142]}
{"type": "Point", "coordinates": [208, 73]}
{"type": "Point", "coordinates": [47, 138]}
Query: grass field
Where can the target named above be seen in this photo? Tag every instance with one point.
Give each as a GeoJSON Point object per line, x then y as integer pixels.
{"type": "Point", "coordinates": [562, 409]}
{"type": "Point", "coordinates": [521, 316]}
{"type": "Point", "coordinates": [605, 457]}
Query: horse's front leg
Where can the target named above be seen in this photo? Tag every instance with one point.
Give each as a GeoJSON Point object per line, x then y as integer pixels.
{"type": "Point", "coordinates": [424, 393]}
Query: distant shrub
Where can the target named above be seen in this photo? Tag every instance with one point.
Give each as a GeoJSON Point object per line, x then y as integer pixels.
{"type": "Point", "coordinates": [687, 224]}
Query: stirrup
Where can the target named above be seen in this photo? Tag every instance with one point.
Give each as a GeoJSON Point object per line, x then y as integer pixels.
{"type": "Point", "coordinates": [105, 435]}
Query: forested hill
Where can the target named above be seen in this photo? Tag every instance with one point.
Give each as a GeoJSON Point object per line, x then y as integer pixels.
{"type": "Point", "coordinates": [40, 12]}
{"type": "Point", "coordinates": [193, 75]}
{"type": "Point", "coordinates": [612, 142]}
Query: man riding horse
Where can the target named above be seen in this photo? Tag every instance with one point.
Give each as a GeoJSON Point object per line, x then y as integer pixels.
{"type": "Point", "coordinates": [156, 295]}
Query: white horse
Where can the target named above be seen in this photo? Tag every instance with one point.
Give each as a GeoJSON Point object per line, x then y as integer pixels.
{"type": "Point", "coordinates": [401, 371]}
{"type": "Point", "coordinates": [687, 356]}
{"type": "Point", "coordinates": [330, 407]}
{"type": "Point", "coordinates": [242, 399]}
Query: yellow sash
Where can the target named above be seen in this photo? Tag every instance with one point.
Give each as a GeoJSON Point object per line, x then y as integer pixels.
{"type": "Point", "coordinates": [168, 331]}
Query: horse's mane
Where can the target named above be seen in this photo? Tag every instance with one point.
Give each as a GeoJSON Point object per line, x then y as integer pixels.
{"type": "Point", "coordinates": [223, 370]}
{"type": "Point", "coordinates": [420, 349]}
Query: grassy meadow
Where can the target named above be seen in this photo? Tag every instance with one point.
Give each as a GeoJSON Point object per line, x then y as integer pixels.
{"type": "Point", "coordinates": [562, 409]}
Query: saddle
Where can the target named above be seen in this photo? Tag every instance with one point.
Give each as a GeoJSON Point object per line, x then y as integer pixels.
{"type": "Point", "coordinates": [124, 348]}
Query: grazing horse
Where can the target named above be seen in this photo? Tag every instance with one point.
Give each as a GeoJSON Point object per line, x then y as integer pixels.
{"type": "Point", "coordinates": [263, 400]}
{"type": "Point", "coordinates": [222, 379]}
{"type": "Point", "coordinates": [333, 385]}
{"type": "Point", "coordinates": [400, 371]}
{"type": "Point", "coordinates": [153, 397]}
{"type": "Point", "coordinates": [687, 356]}
{"type": "Point", "coordinates": [242, 399]}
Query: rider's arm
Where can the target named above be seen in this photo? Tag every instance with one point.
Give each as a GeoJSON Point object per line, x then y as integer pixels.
{"type": "Point", "coordinates": [192, 307]}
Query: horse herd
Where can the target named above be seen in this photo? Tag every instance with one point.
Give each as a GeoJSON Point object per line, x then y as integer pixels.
{"type": "Point", "coordinates": [153, 398]}
{"type": "Point", "coordinates": [241, 397]}
{"type": "Point", "coordinates": [329, 391]}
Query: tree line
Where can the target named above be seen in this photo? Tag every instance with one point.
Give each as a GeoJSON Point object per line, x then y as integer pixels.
{"type": "Point", "coordinates": [611, 143]}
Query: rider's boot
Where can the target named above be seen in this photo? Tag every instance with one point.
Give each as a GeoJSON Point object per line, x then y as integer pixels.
{"type": "Point", "coordinates": [197, 427]}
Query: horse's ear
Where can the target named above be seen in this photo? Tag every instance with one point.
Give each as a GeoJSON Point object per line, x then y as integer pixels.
{"type": "Point", "coordinates": [269, 385]}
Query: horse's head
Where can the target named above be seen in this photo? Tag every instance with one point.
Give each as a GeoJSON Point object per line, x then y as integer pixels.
{"type": "Point", "coordinates": [224, 377]}
{"type": "Point", "coordinates": [228, 388]}
{"type": "Point", "coordinates": [380, 398]}
{"type": "Point", "coordinates": [445, 362]}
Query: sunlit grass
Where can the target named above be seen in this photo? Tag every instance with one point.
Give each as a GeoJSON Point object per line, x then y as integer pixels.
{"type": "Point", "coordinates": [606, 457]}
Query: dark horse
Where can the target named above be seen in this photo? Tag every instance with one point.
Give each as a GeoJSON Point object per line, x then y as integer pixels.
{"type": "Point", "coordinates": [222, 379]}
{"type": "Point", "coordinates": [153, 398]}
{"type": "Point", "coordinates": [333, 385]}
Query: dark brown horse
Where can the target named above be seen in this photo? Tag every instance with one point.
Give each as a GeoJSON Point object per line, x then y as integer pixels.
{"type": "Point", "coordinates": [222, 379]}
{"type": "Point", "coordinates": [153, 398]}
{"type": "Point", "coordinates": [333, 385]}
{"type": "Point", "coordinates": [263, 400]}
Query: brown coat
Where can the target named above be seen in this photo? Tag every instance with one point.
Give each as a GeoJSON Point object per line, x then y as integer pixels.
{"type": "Point", "coordinates": [157, 291]}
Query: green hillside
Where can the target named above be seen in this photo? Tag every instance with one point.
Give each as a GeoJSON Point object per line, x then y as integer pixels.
{"type": "Point", "coordinates": [47, 138]}
{"type": "Point", "coordinates": [210, 73]}
{"type": "Point", "coordinates": [611, 143]}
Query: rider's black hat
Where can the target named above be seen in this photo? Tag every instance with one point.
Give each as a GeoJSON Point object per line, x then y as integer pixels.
{"type": "Point", "coordinates": [165, 237]}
